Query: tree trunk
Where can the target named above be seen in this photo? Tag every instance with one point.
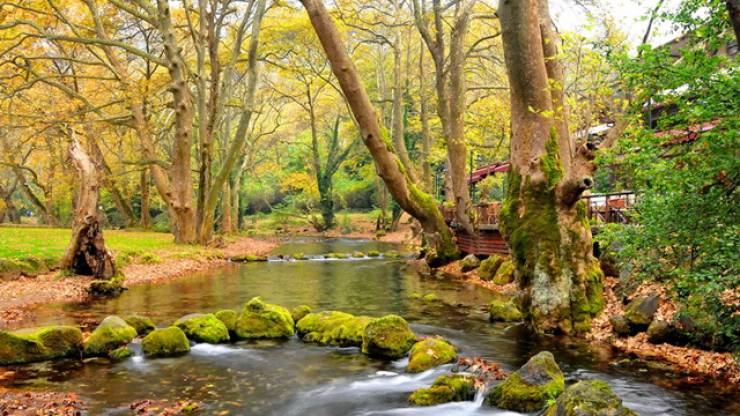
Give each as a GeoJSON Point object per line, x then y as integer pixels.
{"type": "Point", "coordinates": [733, 8]}
{"type": "Point", "coordinates": [226, 220]}
{"type": "Point", "coordinates": [145, 220]}
{"type": "Point", "coordinates": [86, 253]}
{"type": "Point", "coordinates": [397, 110]}
{"type": "Point", "coordinates": [326, 200]}
{"type": "Point", "coordinates": [410, 197]}
{"type": "Point", "coordinates": [543, 218]}
{"type": "Point", "coordinates": [426, 137]}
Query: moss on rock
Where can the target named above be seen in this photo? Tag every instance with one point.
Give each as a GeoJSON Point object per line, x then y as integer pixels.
{"type": "Point", "coordinates": [141, 324]}
{"type": "Point", "coordinates": [505, 273]}
{"type": "Point", "coordinates": [389, 337]}
{"type": "Point", "coordinates": [469, 262]}
{"type": "Point", "coordinates": [358, 255]}
{"type": "Point", "coordinates": [260, 320]}
{"type": "Point", "coordinates": [112, 333]}
{"type": "Point", "coordinates": [203, 328]}
{"type": "Point", "coordinates": [39, 344]}
{"type": "Point", "coordinates": [373, 253]}
{"type": "Point", "coordinates": [299, 312]}
{"type": "Point", "coordinates": [246, 258]}
{"type": "Point", "coordinates": [429, 353]}
{"type": "Point", "coordinates": [531, 387]}
{"type": "Point", "coordinates": [430, 298]}
{"type": "Point", "coordinates": [333, 328]}
{"type": "Point", "coordinates": [228, 317]}
{"type": "Point", "coordinates": [165, 342]}
{"type": "Point", "coordinates": [641, 310]}
{"type": "Point", "coordinates": [120, 354]}
{"type": "Point", "coordinates": [589, 398]}
{"type": "Point", "coordinates": [452, 388]}
{"type": "Point", "coordinates": [504, 310]}
{"type": "Point", "coordinates": [490, 266]}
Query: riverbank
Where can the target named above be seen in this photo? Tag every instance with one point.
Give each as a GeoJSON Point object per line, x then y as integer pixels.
{"type": "Point", "coordinates": [696, 364]}
{"type": "Point", "coordinates": [18, 296]}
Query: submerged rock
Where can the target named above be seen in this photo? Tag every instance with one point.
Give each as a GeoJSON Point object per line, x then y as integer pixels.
{"type": "Point", "coordinates": [641, 310]}
{"type": "Point", "coordinates": [203, 328]}
{"type": "Point", "coordinates": [120, 354]}
{"type": "Point", "coordinates": [589, 398]}
{"type": "Point", "coordinates": [165, 342]}
{"type": "Point", "coordinates": [470, 262]}
{"type": "Point", "coordinates": [39, 344]}
{"type": "Point", "coordinates": [452, 388]}
{"type": "Point", "coordinates": [333, 328]}
{"type": "Point", "coordinates": [504, 310]}
{"type": "Point", "coordinates": [621, 325]}
{"type": "Point", "coordinates": [531, 387]}
{"type": "Point", "coordinates": [389, 337]}
{"type": "Point", "coordinates": [228, 317]}
{"type": "Point", "coordinates": [260, 320]}
{"type": "Point", "coordinates": [505, 273]}
{"type": "Point", "coordinates": [490, 266]}
{"type": "Point", "coordinates": [299, 312]}
{"type": "Point", "coordinates": [112, 333]}
{"type": "Point", "coordinates": [429, 353]}
{"type": "Point", "coordinates": [141, 324]}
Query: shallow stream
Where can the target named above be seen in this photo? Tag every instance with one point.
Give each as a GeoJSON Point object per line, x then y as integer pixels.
{"type": "Point", "coordinates": [293, 378]}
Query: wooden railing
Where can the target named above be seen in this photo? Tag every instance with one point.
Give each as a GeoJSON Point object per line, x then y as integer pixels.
{"type": "Point", "coordinates": [610, 208]}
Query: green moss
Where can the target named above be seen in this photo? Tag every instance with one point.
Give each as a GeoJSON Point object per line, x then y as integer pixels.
{"type": "Point", "coordinates": [341, 255]}
{"type": "Point", "coordinates": [531, 387]}
{"type": "Point", "coordinates": [489, 266]}
{"type": "Point", "coordinates": [505, 273]}
{"type": "Point", "coordinates": [150, 258]}
{"type": "Point", "coordinates": [429, 353]}
{"type": "Point", "coordinates": [300, 256]}
{"type": "Point", "coordinates": [228, 317]}
{"type": "Point", "coordinates": [107, 288]}
{"type": "Point", "coordinates": [430, 298]}
{"type": "Point", "coordinates": [262, 320]}
{"type": "Point", "coordinates": [39, 344]}
{"type": "Point", "coordinates": [550, 161]}
{"type": "Point", "coordinates": [504, 310]}
{"type": "Point", "coordinates": [373, 253]}
{"type": "Point", "coordinates": [589, 398]}
{"type": "Point", "coordinates": [142, 324]}
{"type": "Point", "coordinates": [246, 258]}
{"type": "Point", "coordinates": [391, 254]}
{"type": "Point", "coordinates": [165, 342]}
{"type": "Point", "coordinates": [445, 389]}
{"type": "Point", "coordinates": [120, 354]}
{"type": "Point", "coordinates": [112, 333]}
{"type": "Point", "coordinates": [332, 328]}
{"type": "Point", "coordinates": [389, 337]}
{"type": "Point", "coordinates": [445, 249]}
{"type": "Point", "coordinates": [358, 255]}
{"type": "Point", "coordinates": [299, 312]}
{"type": "Point", "coordinates": [203, 328]}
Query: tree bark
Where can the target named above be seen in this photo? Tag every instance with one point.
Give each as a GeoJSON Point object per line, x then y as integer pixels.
{"type": "Point", "coordinates": [426, 137]}
{"type": "Point", "coordinates": [86, 253]}
{"type": "Point", "coordinates": [410, 197]}
{"type": "Point", "coordinates": [543, 218]}
{"type": "Point", "coordinates": [733, 8]}
{"type": "Point", "coordinates": [397, 108]}
{"type": "Point", "coordinates": [145, 220]}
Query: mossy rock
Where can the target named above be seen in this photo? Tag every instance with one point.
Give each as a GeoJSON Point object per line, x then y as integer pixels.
{"type": "Point", "coordinates": [260, 320]}
{"type": "Point", "coordinates": [388, 337]}
{"type": "Point", "coordinates": [299, 256]}
{"type": "Point", "coordinates": [505, 273]}
{"type": "Point", "coordinates": [120, 354]}
{"type": "Point", "coordinates": [415, 295]}
{"type": "Point", "coordinates": [39, 344]}
{"type": "Point", "coordinates": [165, 342]}
{"type": "Point", "coordinates": [490, 266]}
{"type": "Point", "coordinates": [641, 310]}
{"type": "Point", "coordinates": [109, 288]}
{"type": "Point", "coordinates": [429, 353]}
{"type": "Point", "coordinates": [430, 298]}
{"type": "Point", "coordinates": [659, 331]}
{"type": "Point", "coordinates": [341, 255]}
{"type": "Point", "coordinates": [203, 328]}
{"type": "Point", "coordinates": [620, 325]}
{"type": "Point", "coordinates": [358, 255]}
{"type": "Point", "coordinates": [228, 317]}
{"type": "Point", "coordinates": [531, 387]}
{"type": "Point", "coordinates": [330, 255]}
{"type": "Point", "coordinates": [391, 254]}
{"type": "Point", "coordinates": [112, 333]}
{"type": "Point", "coordinates": [445, 389]}
{"type": "Point", "coordinates": [504, 310]}
{"type": "Point", "coordinates": [141, 324]}
{"type": "Point", "coordinates": [373, 253]}
{"type": "Point", "coordinates": [333, 328]}
{"type": "Point", "coordinates": [247, 258]}
{"type": "Point", "coordinates": [589, 398]}
{"type": "Point", "coordinates": [469, 263]}
{"type": "Point", "coordinates": [299, 312]}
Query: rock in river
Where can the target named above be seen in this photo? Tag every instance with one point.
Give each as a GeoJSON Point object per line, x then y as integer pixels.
{"type": "Point", "coordinates": [165, 342]}
{"type": "Point", "coordinates": [428, 353]}
{"type": "Point", "coordinates": [39, 344]}
{"type": "Point", "coordinates": [203, 328]}
{"type": "Point", "coordinates": [388, 337]}
{"type": "Point", "coordinates": [452, 388]}
{"type": "Point", "coordinates": [112, 333]}
{"type": "Point", "coordinates": [260, 320]}
{"type": "Point", "coordinates": [141, 324]}
{"type": "Point", "coordinates": [333, 328]}
{"type": "Point", "coordinates": [531, 387]}
{"type": "Point", "coordinates": [589, 398]}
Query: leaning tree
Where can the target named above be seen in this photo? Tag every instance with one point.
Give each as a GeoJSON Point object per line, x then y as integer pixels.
{"type": "Point", "coordinates": [543, 217]}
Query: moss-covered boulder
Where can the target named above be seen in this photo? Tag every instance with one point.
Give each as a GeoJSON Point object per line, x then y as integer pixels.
{"type": "Point", "coordinates": [112, 333]}
{"type": "Point", "coordinates": [120, 354]}
{"type": "Point", "coordinates": [505, 273]}
{"type": "Point", "coordinates": [504, 310]}
{"type": "Point", "coordinates": [589, 398]}
{"type": "Point", "coordinates": [469, 263]}
{"type": "Point", "coordinates": [248, 258]}
{"type": "Point", "coordinates": [620, 325]}
{"type": "Point", "coordinates": [490, 266]}
{"type": "Point", "coordinates": [299, 312]}
{"type": "Point", "coordinates": [430, 298]}
{"type": "Point", "coordinates": [428, 353]}
{"type": "Point", "coordinates": [641, 310]}
{"type": "Point", "coordinates": [659, 331]}
{"type": "Point", "coordinates": [373, 253]}
{"type": "Point", "coordinates": [333, 328]}
{"type": "Point", "coordinates": [392, 254]}
{"type": "Point", "coordinates": [388, 337]}
{"type": "Point", "coordinates": [141, 324]}
{"type": "Point", "coordinates": [228, 317]}
{"type": "Point", "coordinates": [201, 327]}
{"type": "Point", "coordinates": [165, 342]}
{"type": "Point", "coordinates": [39, 344]}
{"type": "Point", "coordinates": [452, 388]}
{"type": "Point", "coordinates": [260, 320]}
{"type": "Point", "coordinates": [358, 255]}
{"type": "Point", "coordinates": [107, 288]}
{"type": "Point", "coordinates": [531, 387]}
{"type": "Point", "coordinates": [299, 256]}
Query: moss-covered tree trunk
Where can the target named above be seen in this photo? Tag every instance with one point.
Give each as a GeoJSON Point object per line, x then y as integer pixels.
{"type": "Point", "coordinates": [408, 194]}
{"type": "Point", "coordinates": [543, 218]}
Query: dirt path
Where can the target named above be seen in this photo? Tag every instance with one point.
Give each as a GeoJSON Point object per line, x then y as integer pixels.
{"type": "Point", "coordinates": [18, 297]}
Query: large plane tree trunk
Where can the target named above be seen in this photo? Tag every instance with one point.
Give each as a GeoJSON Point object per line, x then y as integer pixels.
{"type": "Point", "coordinates": [409, 196]}
{"type": "Point", "coordinates": [86, 253]}
{"type": "Point", "coordinates": [543, 217]}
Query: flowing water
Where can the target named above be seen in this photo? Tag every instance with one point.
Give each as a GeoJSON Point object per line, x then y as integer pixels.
{"type": "Point", "coordinates": [293, 378]}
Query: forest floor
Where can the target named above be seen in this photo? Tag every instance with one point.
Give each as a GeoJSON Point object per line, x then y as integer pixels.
{"type": "Point", "coordinates": [696, 364]}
